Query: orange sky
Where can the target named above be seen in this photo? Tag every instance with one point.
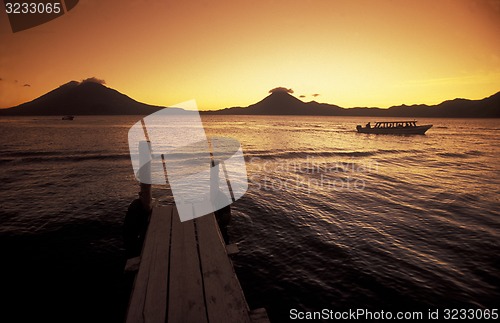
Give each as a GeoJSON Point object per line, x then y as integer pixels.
{"type": "Point", "coordinates": [232, 52]}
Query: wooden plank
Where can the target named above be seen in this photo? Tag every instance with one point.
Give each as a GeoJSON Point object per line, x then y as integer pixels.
{"type": "Point", "coordinates": [185, 301]}
{"type": "Point", "coordinates": [149, 294]}
{"type": "Point", "coordinates": [155, 308]}
{"type": "Point", "coordinates": [223, 294]}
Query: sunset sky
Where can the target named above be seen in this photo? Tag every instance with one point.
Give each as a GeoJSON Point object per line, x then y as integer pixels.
{"type": "Point", "coordinates": [232, 52]}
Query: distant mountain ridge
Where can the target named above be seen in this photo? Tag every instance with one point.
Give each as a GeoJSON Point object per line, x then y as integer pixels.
{"type": "Point", "coordinates": [82, 98]}
{"type": "Point", "coordinates": [281, 103]}
{"type": "Point", "coordinates": [91, 98]}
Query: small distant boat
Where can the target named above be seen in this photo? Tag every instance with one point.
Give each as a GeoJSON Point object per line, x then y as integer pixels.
{"type": "Point", "coordinates": [395, 128]}
{"type": "Point", "coordinates": [68, 117]}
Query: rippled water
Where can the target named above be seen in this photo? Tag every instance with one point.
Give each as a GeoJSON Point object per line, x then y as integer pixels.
{"type": "Point", "coordinates": [332, 218]}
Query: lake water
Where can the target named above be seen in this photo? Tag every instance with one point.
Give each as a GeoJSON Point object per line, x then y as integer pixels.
{"type": "Point", "coordinates": [332, 218]}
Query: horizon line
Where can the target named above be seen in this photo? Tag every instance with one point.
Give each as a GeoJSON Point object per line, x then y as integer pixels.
{"type": "Point", "coordinates": [86, 81]}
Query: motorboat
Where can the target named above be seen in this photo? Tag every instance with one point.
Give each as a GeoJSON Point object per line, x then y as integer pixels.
{"type": "Point", "coordinates": [394, 127]}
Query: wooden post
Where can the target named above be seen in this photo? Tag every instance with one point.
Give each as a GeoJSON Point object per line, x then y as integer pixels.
{"type": "Point", "coordinates": [145, 173]}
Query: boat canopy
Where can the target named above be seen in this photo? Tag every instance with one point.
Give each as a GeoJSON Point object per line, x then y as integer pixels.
{"type": "Point", "coordinates": [395, 124]}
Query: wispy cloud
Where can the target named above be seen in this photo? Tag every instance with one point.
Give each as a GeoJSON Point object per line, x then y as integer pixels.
{"type": "Point", "coordinates": [94, 79]}
{"type": "Point", "coordinates": [281, 90]}
{"type": "Point", "coordinates": [14, 82]}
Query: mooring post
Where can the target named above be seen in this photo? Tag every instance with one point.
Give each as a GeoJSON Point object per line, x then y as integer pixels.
{"type": "Point", "coordinates": [145, 173]}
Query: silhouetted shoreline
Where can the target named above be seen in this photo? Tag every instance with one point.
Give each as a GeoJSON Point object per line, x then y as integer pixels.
{"type": "Point", "coordinates": [89, 98]}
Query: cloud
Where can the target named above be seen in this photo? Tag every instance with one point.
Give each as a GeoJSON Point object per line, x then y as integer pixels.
{"type": "Point", "coordinates": [16, 82]}
{"type": "Point", "coordinates": [281, 90]}
{"type": "Point", "coordinates": [302, 96]}
{"type": "Point", "coordinates": [315, 94]}
{"type": "Point", "coordinates": [93, 79]}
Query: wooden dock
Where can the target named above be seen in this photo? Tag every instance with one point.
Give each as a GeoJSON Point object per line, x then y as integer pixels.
{"type": "Point", "coordinates": [185, 275]}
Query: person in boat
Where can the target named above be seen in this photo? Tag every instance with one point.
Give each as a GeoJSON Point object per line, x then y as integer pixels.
{"type": "Point", "coordinates": [136, 224]}
{"type": "Point", "coordinates": [368, 125]}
